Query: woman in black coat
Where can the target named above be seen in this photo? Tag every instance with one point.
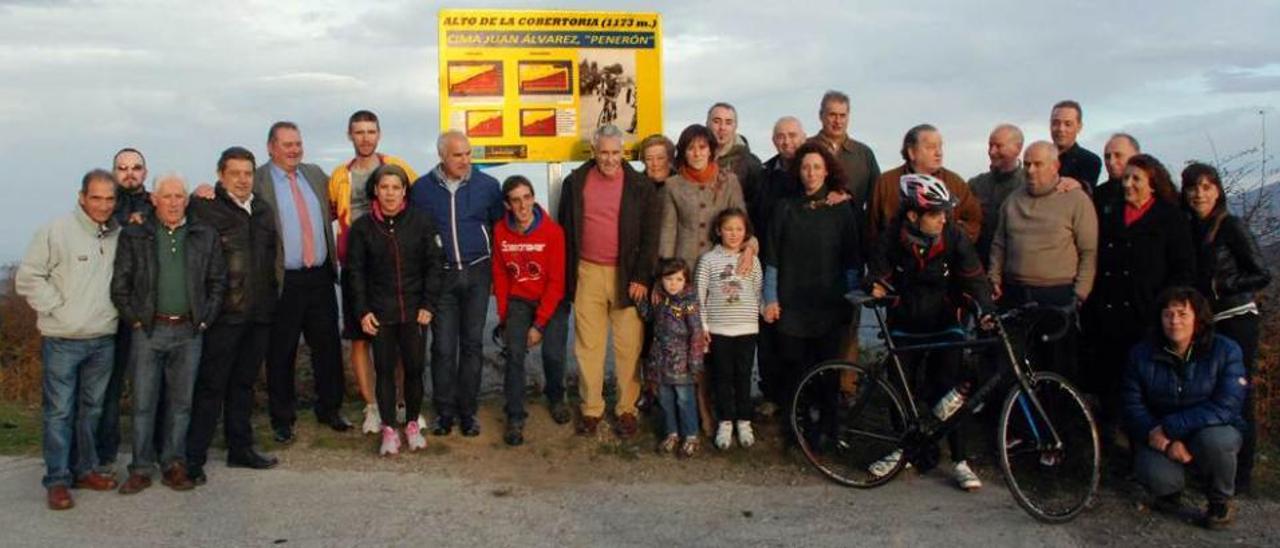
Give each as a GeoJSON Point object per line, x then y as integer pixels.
{"type": "Point", "coordinates": [1229, 270]}
{"type": "Point", "coordinates": [395, 262]}
{"type": "Point", "coordinates": [1144, 246]}
{"type": "Point", "coordinates": [813, 259]}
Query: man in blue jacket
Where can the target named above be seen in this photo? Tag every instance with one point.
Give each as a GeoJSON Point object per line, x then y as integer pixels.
{"type": "Point", "coordinates": [464, 203]}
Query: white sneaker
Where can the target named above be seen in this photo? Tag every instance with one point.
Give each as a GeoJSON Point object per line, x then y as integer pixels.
{"type": "Point", "coordinates": [400, 413]}
{"type": "Point", "coordinates": [746, 436]}
{"type": "Point", "coordinates": [886, 464]}
{"type": "Point", "coordinates": [390, 441]}
{"type": "Point", "coordinates": [965, 477]}
{"type": "Point", "coordinates": [372, 422]}
{"type": "Point", "coordinates": [724, 435]}
{"type": "Point", "coordinates": [413, 433]}
{"type": "Point", "coordinates": [422, 422]}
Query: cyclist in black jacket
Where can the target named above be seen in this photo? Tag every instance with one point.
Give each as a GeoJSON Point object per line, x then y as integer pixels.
{"type": "Point", "coordinates": [933, 271]}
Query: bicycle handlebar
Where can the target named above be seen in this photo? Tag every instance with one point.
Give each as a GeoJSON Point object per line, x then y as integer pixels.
{"type": "Point", "coordinates": [859, 298]}
{"type": "Point", "coordinates": [1045, 312]}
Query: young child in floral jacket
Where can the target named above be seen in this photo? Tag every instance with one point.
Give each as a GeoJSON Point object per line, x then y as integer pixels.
{"type": "Point", "coordinates": [675, 358]}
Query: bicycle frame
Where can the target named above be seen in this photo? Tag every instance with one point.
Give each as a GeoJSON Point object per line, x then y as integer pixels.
{"type": "Point", "coordinates": [979, 396]}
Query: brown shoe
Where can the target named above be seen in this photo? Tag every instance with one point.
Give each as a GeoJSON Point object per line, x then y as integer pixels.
{"type": "Point", "coordinates": [135, 484]}
{"type": "Point", "coordinates": [175, 477]}
{"type": "Point", "coordinates": [59, 498]}
{"type": "Point", "coordinates": [588, 426]}
{"type": "Point", "coordinates": [627, 425]}
{"type": "Point", "coordinates": [96, 481]}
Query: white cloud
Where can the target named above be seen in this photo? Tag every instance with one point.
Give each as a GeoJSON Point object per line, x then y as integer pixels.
{"type": "Point", "coordinates": [183, 80]}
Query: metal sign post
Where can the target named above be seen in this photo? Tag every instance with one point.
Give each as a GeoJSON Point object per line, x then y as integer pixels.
{"type": "Point", "coordinates": [555, 178]}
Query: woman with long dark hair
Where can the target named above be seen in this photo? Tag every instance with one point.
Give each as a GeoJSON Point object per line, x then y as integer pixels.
{"type": "Point", "coordinates": [1229, 270]}
{"type": "Point", "coordinates": [813, 258]}
{"type": "Point", "coordinates": [1144, 246]}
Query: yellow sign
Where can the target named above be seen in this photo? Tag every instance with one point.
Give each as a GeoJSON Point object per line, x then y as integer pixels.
{"type": "Point", "coordinates": [532, 85]}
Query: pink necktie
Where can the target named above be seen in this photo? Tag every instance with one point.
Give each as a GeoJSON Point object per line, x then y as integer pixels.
{"type": "Point", "coordinates": [304, 218]}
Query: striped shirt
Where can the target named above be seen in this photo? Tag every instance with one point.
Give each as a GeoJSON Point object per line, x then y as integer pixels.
{"type": "Point", "coordinates": [730, 302]}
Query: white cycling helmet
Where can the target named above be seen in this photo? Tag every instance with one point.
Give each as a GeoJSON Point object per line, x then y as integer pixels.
{"type": "Point", "coordinates": [925, 193]}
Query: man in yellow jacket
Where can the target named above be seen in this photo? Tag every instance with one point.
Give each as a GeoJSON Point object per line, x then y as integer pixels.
{"type": "Point", "coordinates": [349, 202]}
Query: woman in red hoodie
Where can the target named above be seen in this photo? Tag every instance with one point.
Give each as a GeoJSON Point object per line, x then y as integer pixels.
{"type": "Point", "coordinates": [528, 282]}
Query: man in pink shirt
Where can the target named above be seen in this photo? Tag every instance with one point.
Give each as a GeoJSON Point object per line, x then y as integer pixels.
{"type": "Point", "coordinates": [609, 213]}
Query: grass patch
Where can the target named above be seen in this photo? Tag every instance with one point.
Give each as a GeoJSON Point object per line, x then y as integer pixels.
{"type": "Point", "coordinates": [20, 429]}
{"type": "Point", "coordinates": [621, 450]}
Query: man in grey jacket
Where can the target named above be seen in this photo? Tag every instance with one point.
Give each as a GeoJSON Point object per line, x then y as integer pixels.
{"type": "Point", "coordinates": [66, 276]}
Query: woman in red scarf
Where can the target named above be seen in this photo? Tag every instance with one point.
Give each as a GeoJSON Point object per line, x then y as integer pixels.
{"type": "Point", "coordinates": [394, 259]}
{"type": "Point", "coordinates": [694, 195]}
{"type": "Point", "coordinates": [1144, 247]}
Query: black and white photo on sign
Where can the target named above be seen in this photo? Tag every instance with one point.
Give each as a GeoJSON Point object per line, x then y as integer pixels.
{"type": "Point", "coordinates": [607, 90]}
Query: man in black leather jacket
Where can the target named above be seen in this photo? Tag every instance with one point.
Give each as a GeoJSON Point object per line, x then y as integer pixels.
{"type": "Point", "coordinates": [236, 343]}
{"type": "Point", "coordinates": [168, 284]}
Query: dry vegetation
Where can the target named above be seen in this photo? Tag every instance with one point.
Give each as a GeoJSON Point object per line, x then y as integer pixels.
{"type": "Point", "coordinates": [19, 346]}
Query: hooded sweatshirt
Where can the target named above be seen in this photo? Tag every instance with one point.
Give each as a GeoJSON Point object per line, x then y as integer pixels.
{"type": "Point", "coordinates": [529, 265]}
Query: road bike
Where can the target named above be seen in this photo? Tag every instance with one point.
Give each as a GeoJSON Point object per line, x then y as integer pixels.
{"type": "Point", "coordinates": [861, 425]}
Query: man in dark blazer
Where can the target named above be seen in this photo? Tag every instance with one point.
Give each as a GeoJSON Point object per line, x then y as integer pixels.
{"type": "Point", "coordinates": [306, 270]}
{"type": "Point", "coordinates": [608, 211]}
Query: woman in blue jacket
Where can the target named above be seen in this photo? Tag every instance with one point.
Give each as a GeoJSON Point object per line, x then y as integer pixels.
{"type": "Point", "coordinates": [1182, 393]}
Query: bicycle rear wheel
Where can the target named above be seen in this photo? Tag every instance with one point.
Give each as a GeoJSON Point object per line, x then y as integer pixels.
{"type": "Point", "coordinates": [1052, 482]}
{"type": "Point", "coordinates": [845, 420]}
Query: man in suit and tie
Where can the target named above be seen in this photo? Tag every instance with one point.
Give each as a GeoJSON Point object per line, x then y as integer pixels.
{"type": "Point", "coordinates": [306, 272]}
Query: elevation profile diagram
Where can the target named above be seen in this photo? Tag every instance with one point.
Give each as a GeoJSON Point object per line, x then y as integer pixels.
{"type": "Point", "coordinates": [538, 122]}
{"type": "Point", "coordinates": [475, 78]}
{"type": "Point", "coordinates": [545, 77]}
{"type": "Point", "coordinates": [484, 123]}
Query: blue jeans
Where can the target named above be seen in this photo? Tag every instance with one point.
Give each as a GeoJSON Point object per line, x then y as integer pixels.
{"type": "Point", "coordinates": [520, 315]}
{"type": "Point", "coordinates": [75, 377]}
{"type": "Point", "coordinates": [458, 338]}
{"type": "Point", "coordinates": [679, 409]}
{"type": "Point", "coordinates": [165, 359]}
{"type": "Point", "coordinates": [108, 437]}
{"type": "Point", "coordinates": [1213, 451]}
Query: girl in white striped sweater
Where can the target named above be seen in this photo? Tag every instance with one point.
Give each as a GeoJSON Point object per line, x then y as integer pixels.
{"type": "Point", "coordinates": [730, 305]}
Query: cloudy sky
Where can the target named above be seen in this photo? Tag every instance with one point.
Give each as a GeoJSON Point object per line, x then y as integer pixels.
{"type": "Point", "coordinates": [183, 80]}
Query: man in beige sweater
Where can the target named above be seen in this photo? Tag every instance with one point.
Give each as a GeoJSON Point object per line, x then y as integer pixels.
{"type": "Point", "coordinates": [1044, 249]}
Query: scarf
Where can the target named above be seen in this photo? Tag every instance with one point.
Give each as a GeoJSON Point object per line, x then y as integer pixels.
{"type": "Point", "coordinates": [703, 176]}
{"type": "Point", "coordinates": [1132, 214]}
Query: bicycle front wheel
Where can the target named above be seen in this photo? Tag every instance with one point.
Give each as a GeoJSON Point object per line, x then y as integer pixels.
{"type": "Point", "coordinates": [849, 424]}
{"type": "Point", "coordinates": [1052, 478]}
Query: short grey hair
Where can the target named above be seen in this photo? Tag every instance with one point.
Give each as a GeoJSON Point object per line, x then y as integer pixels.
{"type": "Point", "coordinates": [607, 131]}
{"type": "Point", "coordinates": [1043, 144]}
{"type": "Point", "coordinates": [444, 138]}
{"type": "Point", "coordinates": [1127, 137]}
{"type": "Point", "coordinates": [833, 96]}
{"type": "Point", "coordinates": [788, 119]}
{"type": "Point", "coordinates": [1017, 131]}
{"type": "Point", "coordinates": [167, 177]}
